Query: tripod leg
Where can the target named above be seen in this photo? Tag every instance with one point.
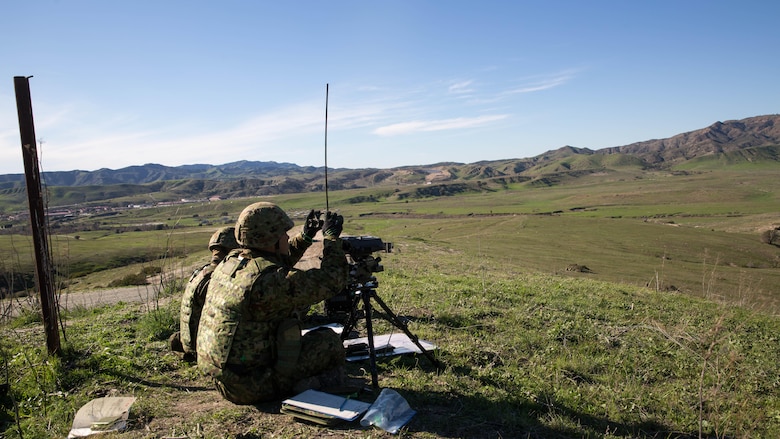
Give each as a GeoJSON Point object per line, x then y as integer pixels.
{"type": "Point", "coordinates": [402, 326]}
{"type": "Point", "coordinates": [370, 336]}
{"type": "Point", "coordinates": [351, 319]}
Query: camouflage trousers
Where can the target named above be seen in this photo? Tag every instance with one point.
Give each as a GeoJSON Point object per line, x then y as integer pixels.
{"type": "Point", "coordinates": [321, 350]}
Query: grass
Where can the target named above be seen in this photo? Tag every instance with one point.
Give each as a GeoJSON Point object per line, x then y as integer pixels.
{"type": "Point", "coordinates": [527, 354]}
{"type": "Point", "coordinates": [673, 333]}
{"type": "Point", "coordinates": [735, 267]}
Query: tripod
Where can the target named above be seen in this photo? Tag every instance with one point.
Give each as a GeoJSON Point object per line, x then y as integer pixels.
{"type": "Point", "coordinates": [365, 295]}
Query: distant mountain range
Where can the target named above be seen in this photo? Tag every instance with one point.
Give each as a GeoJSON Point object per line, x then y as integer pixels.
{"type": "Point", "coordinates": [751, 140]}
{"type": "Point", "coordinates": [151, 172]}
{"type": "Point", "coordinates": [744, 137]}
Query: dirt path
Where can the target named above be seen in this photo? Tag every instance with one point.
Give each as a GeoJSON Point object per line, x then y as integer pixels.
{"type": "Point", "coordinates": [10, 308]}
{"type": "Point", "coordinates": [110, 296]}
{"type": "Point", "coordinates": [135, 294]}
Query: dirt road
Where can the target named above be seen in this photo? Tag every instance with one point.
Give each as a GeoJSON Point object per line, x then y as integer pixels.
{"type": "Point", "coordinates": [110, 296]}
{"type": "Point", "coordinates": [88, 299]}
{"type": "Point", "coordinates": [135, 294]}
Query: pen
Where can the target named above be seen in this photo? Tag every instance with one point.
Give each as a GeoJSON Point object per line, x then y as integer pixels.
{"type": "Point", "coordinates": [344, 404]}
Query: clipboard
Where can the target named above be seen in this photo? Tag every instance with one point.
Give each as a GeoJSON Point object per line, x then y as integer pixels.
{"type": "Point", "coordinates": [323, 408]}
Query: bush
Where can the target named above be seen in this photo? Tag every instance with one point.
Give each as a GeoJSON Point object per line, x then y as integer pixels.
{"type": "Point", "coordinates": [771, 236]}
{"type": "Point", "coordinates": [151, 270]}
{"type": "Point", "coordinates": [129, 280]}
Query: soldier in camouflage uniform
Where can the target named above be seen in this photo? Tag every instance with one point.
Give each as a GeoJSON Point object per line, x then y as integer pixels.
{"type": "Point", "coordinates": [248, 340]}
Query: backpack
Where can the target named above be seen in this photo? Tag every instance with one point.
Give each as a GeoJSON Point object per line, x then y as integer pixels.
{"type": "Point", "coordinates": [226, 307]}
{"type": "Point", "coordinates": [191, 306]}
{"type": "Point", "coordinates": [225, 304]}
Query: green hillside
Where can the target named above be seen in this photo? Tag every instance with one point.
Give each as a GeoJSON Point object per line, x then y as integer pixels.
{"type": "Point", "coordinates": [750, 158]}
{"type": "Point", "coordinates": [672, 229]}
{"type": "Point", "coordinates": [588, 296]}
{"type": "Point", "coordinates": [526, 352]}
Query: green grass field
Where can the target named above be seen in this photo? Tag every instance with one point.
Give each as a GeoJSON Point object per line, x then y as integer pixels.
{"type": "Point", "coordinates": [526, 354]}
{"type": "Point", "coordinates": [672, 333]}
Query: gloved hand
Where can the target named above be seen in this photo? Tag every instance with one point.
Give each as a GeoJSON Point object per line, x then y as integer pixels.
{"type": "Point", "coordinates": [313, 224]}
{"type": "Point", "coordinates": [333, 225]}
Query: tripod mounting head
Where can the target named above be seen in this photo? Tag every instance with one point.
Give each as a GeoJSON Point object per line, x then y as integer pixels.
{"type": "Point", "coordinates": [362, 266]}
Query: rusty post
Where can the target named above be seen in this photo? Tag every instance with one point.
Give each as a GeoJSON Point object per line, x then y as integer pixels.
{"type": "Point", "coordinates": [44, 273]}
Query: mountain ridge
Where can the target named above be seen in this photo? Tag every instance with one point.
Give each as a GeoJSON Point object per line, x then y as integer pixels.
{"type": "Point", "coordinates": [751, 140]}
{"type": "Point", "coordinates": [720, 137]}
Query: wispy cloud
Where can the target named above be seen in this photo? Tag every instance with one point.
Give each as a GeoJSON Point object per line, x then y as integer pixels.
{"type": "Point", "coordinates": [437, 125]}
{"type": "Point", "coordinates": [286, 133]}
{"type": "Point", "coordinates": [79, 138]}
{"type": "Point", "coordinates": [530, 85]}
{"type": "Point", "coordinates": [461, 87]}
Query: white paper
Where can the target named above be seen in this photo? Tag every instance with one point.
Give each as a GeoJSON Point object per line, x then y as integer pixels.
{"type": "Point", "coordinates": [101, 415]}
{"type": "Point", "coordinates": [400, 342]}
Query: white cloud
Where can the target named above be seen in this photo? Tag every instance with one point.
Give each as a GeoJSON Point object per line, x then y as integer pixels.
{"type": "Point", "coordinates": [83, 136]}
{"type": "Point", "coordinates": [531, 85]}
{"type": "Point", "coordinates": [461, 87]}
{"type": "Point", "coordinates": [290, 133]}
{"type": "Point", "coordinates": [437, 125]}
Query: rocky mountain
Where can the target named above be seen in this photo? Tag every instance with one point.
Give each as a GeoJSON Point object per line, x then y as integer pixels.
{"type": "Point", "coordinates": [719, 138]}
{"type": "Point", "coordinates": [755, 139]}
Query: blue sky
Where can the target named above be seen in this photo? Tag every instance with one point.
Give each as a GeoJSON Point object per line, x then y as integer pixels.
{"type": "Point", "coordinates": [121, 83]}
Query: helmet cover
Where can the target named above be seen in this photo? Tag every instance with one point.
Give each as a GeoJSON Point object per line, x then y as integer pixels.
{"type": "Point", "coordinates": [261, 224]}
{"type": "Point", "coordinates": [224, 237]}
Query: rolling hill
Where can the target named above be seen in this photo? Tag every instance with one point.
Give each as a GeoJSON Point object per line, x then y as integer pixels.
{"type": "Point", "coordinates": [752, 141]}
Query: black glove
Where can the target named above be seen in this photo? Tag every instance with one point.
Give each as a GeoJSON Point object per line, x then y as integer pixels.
{"type": "Point", "coordinates": [313, 224]}
{"type": "Point", "coordinates": [333, 225]}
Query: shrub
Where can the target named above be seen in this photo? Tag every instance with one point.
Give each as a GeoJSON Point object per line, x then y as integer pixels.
{"type": "Point", "coordinates": [151, 270]}
{"type": "Point", "coordinates": [771, 236]}
{"type": "Point", "coordinates": [129, 280]}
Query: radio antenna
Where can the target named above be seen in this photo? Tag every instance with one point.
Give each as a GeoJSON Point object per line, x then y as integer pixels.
{"type": "Point", "coordinates": [327, 204]}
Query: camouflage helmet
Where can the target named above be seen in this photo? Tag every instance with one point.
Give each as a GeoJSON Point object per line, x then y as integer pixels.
{"type": "Point", "coordinates": [261, 224]}
{"type": "Point", "coordinates": [224, 237]}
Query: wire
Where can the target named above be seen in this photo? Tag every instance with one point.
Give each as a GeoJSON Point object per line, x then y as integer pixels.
{"type": "Point", "coordinates": [327, 203]}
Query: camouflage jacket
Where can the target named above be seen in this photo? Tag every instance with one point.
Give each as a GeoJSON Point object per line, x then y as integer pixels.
{"type": "Point", "coordinates": [251, 293]}
{"type": "Point", "coordinates": [191, 305]}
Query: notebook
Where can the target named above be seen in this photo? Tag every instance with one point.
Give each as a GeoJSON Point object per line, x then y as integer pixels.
{"type": "Point", "coordinates": [323, 408]}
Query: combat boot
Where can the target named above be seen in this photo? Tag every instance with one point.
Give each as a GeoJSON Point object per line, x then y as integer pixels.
{"type": "Point", "coordinates": [174, 341]}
